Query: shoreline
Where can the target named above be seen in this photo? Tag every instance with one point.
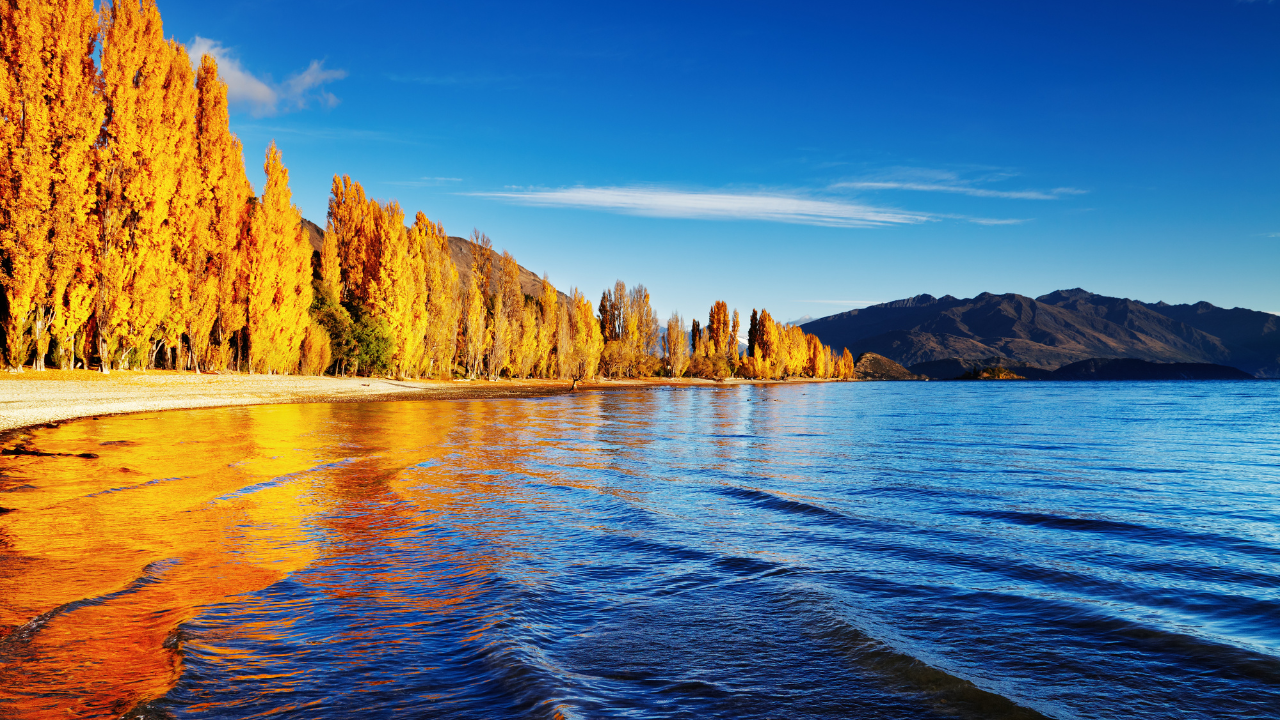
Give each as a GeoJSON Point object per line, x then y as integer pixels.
{"type": "Point", "coordinates": [33, 399]}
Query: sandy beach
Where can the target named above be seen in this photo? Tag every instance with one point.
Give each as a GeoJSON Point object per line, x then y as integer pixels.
{"type": "Point", "coordinates": [34, 398]}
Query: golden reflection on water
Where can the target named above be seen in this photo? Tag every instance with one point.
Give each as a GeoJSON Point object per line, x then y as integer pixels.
{"type": "Point", "coordinates": [102, 559]}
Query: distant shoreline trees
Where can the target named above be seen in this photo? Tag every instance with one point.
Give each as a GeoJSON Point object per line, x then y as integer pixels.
{"type": "Point", "coordinates": [131, 238]}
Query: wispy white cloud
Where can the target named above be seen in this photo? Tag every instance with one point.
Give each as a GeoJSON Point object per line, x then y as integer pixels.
{"type": "Point", "coordinates": [997, 221]}
{"type": "Point", "coordinates": [948, 181]}
{"type": "Point", "coordinates": [425, 181]}
{"type": "Point", "coordinates": [769, 206]}
{"type": "Point", "coordinates": [1053, 194]}
{"type": "Point", "coordinates": [1276, 235]}
{"type": "Point", "coordinates": [261, 95]}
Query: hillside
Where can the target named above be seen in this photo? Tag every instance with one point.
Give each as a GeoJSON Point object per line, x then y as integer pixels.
{"type": "Point", "coordinates": [460, 250]}
{"type": "Point", "coordinates": [1056, 329]}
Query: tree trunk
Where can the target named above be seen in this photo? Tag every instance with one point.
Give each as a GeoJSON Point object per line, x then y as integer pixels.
{"type": "Point", "coordinates": [104, 362]}
{"type": "Point", "coordinates": [38, 329]}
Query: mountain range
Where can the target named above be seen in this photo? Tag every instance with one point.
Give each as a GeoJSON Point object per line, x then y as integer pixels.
{"type": "Point", "coordinates": [1057, 329]}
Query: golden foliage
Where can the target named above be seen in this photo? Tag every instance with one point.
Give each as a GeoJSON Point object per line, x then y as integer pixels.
{"type": "Point", "coordinates": [280, 291]}
{"type": "Point", "coordinates": [316, 350]}
{"type": "Point", "coordinates": [126, 217]}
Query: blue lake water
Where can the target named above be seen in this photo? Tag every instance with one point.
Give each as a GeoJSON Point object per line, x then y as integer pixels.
{"type": "Point", "coordinates": [868, 550]}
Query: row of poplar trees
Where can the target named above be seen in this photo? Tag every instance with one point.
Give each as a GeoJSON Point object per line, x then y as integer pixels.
{"type": "Point", "coordinates": [773, 350]}
{"type": "Point", "coordinates": [392, 299]}
{"type": "Point", "coordinates": [130, 235]}
{"type": "Point", "coordinates": [127, 225]}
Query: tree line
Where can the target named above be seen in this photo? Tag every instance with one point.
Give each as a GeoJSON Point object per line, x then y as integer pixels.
{"type": "Point", "coordinates": [131, 238]}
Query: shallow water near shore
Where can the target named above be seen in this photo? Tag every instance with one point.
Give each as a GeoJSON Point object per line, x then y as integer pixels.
{"type": "Point", "coordinates": [869, 550]}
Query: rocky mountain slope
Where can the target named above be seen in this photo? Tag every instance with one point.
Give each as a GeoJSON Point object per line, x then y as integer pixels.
{"type": "Point", "coordinates": [1057, 329]}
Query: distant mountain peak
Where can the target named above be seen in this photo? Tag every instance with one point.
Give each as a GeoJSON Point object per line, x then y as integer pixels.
{"type": "Point", "coordinates": [917, 301]}
{"type": "Point", "coordinates": [1063, 296]}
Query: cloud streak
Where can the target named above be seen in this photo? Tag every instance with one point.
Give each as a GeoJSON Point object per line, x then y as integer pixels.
{"type": "Point", "coordinates": [425, 182]}
{"type": "Point", "coordinates": [260, 95]}
{"type": "Point", "coordinates": [969, 190]}
{"type": "Point", "coordinates": [771, 207]}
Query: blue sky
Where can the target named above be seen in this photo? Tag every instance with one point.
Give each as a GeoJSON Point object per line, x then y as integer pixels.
{"type": "Point", "coordinates": [804, 159]}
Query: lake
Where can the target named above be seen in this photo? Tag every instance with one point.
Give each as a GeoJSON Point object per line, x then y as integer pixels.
{"type": "Point", "coordinates": [868, 550]}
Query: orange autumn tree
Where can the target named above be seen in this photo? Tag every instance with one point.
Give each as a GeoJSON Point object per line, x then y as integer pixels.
{"type": "Point", "coordinates": [279, 262]}
{"type": "Point", "coordinates": [50, 113]}
{"type": "Point", "coordinates": [75, 119]}
{"type": "Point", "coordinates": [214, 258]}
{"type": "Point", "coordinates": [548, 320]}
{"type": "Point", "coordinates": [444, 300]}
{"type": "Point", "coordinates": [185, 226]}
{"type": "Point", "coordinates": [676, 347]}
{"type": "Point", "coordinates": [135, 183]}
{"type": "Point", "coordinates": [587, 340]}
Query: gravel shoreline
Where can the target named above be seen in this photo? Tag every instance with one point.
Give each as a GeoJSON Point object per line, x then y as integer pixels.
{"type": "Point", "coordinates": [35, 398]}
{"type": "Point", "coordinates": [32, 398]}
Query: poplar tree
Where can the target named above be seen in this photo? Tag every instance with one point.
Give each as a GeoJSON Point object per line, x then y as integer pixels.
{"type": "Point", "coordinates": [718, 329]}
{"type": "Point", "coordinates": [135, 183]}
{"type": "Point", "coordinates": [527, 351]}
{"type": "Point", "coordinates": [549, 305]}
{"type": "Point", "coordinates": [508, 314]}
{"type": "Point", "coordinates": [187, 229]}
{"type": "Point", "coordinates": [348, 209]}
{"type": "Point", "coordinates": [564, 342]}
{"type": "Point", "coordinates": [279, 275]}
{"type": "Point", "coordinates": [25, 193]}
{"type": "Point", "coordinates": [733, 339]}
{"type": "Point", "coordinates": [499, 337]}
{"type": "Point", "coordinates": [75, 118]}
{"type": "Point", "coordinates": [588, 341]}
{"type": "Point", "coordinates": [394, 283]}
{"type": "Point", "coordinates": [444, 300]}
{"type": "Point", "coordinates": [50, 114]}
{"type": "Point", "coordinates": [212, 261]}
{"type": "Point", "coordinates": [766, 343]}
{"type": "Point", "coordinates": [677, 346]}
{"type": "Point", "coordinates": [474, 332]}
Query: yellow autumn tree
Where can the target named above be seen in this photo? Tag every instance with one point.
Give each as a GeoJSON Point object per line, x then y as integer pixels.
{"type": "Point", "coordinates": [733, 340]}
{"type": "Point", "coordinates": [50, 113]}
{"type": "Point", "coordinates": [186, 226]}
{"type": "Point", "coordinates": [588, 341]}
{"type": "Point", "coordinates": [474, 330]}
{"type": "Point", "coordinates": [279, 275]}
{"type": "Point", "coordinates": [444, 301]}
{"type": "Point", "coordinates": [718, 329]}
{"type": "Point", "coordinates": [526, 354]}
{"type": "Point", "coordinates": [135, 183]}
{"type": "Point", "coordinates": [25, 196]}
{"type": "Point", "coordinates": [213, 259]}
{"type": "Point", "coordinates": [508, 309]}
{"type": "Point", "coordinates": [348, 209]}
{"type": "Point", "coordinates": [676, 347]}
{"type": "Point", "coordinates": [75, 119]}
{"type": "Point", "coordinates": [394, 284]}
{"type": "Point", "coordinates": [549, 315]}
